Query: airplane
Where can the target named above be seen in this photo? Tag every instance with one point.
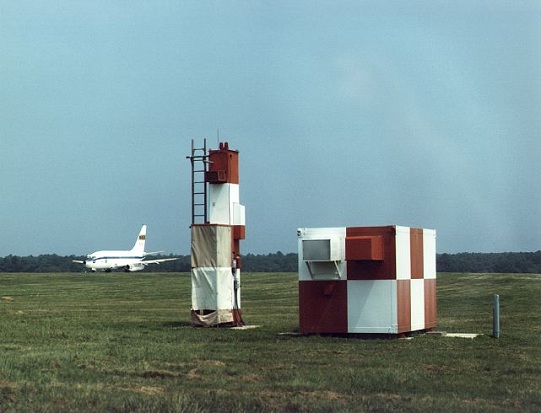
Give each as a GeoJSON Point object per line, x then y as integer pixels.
{"type": "Point", "coordinates": [128, 260]}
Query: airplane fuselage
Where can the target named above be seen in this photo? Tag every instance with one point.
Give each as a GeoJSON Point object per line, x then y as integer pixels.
{"type": "Point", "coordinates": [113, 260]}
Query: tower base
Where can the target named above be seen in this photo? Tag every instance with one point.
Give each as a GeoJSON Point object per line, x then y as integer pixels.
{"type": "Point", "coordinates": [216, 318]}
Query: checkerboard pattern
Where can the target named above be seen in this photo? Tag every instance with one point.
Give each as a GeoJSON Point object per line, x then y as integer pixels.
{"type": "Point", "coordinates": [377, 280]}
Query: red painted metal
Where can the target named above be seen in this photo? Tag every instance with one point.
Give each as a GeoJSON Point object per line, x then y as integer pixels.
{"type": "Point", "coordinates": [223, 166]}
{"type": "Point", "coordinates": [365, 248]}
{"type": "Point", "coordinates": [384, 269]}
{"type": "Point", "coordinates": [430, 303]}
{"type": "Point", "coordinates": [323, 307]}
{"type": "Point", "coordinates": [403, 305]}
{"type": "Point", "coordinates": [416, 253]}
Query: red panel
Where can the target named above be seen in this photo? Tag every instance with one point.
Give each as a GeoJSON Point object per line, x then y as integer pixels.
{"type": "Point", "coordinates": [365, 248]}
{"type": "Point", "coordinates": [430, 304]}
{"type": "Point", "coordinates": [416, 253]}
{"type": "Point", "coordinates": [223, 166]}
{"type": "Point", "coordinates": [239, 231]}
{"type": "Point", "coordinates": [374, 270]}
{"type": "Point", "coordinates": [403, 305]}
{"type": "Point", "coordinates": [323, 307]}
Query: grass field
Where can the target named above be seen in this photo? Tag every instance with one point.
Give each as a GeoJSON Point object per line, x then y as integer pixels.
{"type": "Point", "coordinates": [122, 343]}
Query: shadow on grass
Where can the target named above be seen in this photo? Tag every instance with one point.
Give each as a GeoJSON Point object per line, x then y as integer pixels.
{"type": "Point", "coordinates": [177, 324]}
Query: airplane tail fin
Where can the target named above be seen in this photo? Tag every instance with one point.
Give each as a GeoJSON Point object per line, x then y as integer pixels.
{"type": "Point", "coordinates": [139, 246]}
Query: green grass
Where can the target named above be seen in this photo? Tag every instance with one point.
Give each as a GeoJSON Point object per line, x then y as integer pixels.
{"type": "Point", "coordinates": [122, 343]}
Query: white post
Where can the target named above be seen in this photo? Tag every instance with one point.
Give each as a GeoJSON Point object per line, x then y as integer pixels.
{"type": "Point", "coordinates": [496, 316]}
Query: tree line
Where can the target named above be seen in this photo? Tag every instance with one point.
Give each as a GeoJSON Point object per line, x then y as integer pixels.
{"type": "Point", "coordinates": [505, 262]}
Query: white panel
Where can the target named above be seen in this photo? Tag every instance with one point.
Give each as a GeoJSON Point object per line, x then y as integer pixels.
{"type": "Point", "coordinates": [325, 270]}
{"type": "Point", "coordinates": [219, 204]}
{"type": "Point", "coordinates": [239, 217]}
{"type": "Point", "coordinates": [372, 307]}
{"type": "Point", "coordinates": [221, 200]}
{"type": "Point", "coordinates": [429, 253]}
{"type": "Point", "coordinates": [417, 288]}
{"type": "Point", "coordinates": [234, 192]}
{"type": "Point", "coordinates": [212, 288]}
{"type": "Point", "coordinates": [403, 257]}
{"type": "Point", "coordinates": [233, 199]}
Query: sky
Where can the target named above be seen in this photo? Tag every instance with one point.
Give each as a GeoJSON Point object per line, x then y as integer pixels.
{"type": "Point", "coordinates": [345, 113]}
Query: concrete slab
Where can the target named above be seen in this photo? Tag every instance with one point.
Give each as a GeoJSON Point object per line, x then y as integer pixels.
{"type": "Point", "coordinates": [462, 335]}
{"type": "Point", "coordinates": [244, 327]}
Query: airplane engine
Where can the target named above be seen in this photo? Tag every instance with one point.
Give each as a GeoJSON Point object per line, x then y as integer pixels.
{"type": "Point", "coordinates": [133, 267]}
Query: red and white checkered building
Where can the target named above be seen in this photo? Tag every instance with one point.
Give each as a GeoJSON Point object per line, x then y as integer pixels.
{"type": "Point", "coordinates": [367, 280]}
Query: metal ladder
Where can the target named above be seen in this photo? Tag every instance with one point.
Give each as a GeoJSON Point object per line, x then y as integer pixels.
{"type": "Point", "coordinates": [199, 163]}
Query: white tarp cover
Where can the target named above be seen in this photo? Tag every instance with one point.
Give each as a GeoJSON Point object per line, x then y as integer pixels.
{"type": "Point", "coordinates": [212, 277]}
{"type": "Point", "coordinates": [211, 246]}
{"type": "Point", "coordinates": [212, 288]}
{"type": "Point", "coordinates": [213, 319]}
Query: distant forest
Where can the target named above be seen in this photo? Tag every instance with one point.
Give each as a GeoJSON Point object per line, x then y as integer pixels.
{"type": "Point", "coordinates": [506, 262]}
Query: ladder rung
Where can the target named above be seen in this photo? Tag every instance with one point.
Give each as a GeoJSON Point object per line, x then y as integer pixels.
{"type": "Point", "coordinates": [199, 160]}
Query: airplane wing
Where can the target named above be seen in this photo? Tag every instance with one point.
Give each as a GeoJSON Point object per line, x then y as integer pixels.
{"type": "Point", "coordinates": [146, 262]}
{"type": "Point", "coordinates": [78, 261]}
{"type": "Point", "coordinates": [153, 252]}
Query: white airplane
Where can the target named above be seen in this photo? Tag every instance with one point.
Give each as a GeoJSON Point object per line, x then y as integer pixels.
{"type": "Point", "coordinates": [132, 260]}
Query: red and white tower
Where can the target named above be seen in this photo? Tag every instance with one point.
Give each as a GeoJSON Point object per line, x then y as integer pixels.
{"type": "Point", "coordinates": [215, 249]}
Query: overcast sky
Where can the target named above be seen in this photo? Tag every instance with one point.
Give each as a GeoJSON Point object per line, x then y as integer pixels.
{"type": "Point", "coordinates": [348, 113]}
